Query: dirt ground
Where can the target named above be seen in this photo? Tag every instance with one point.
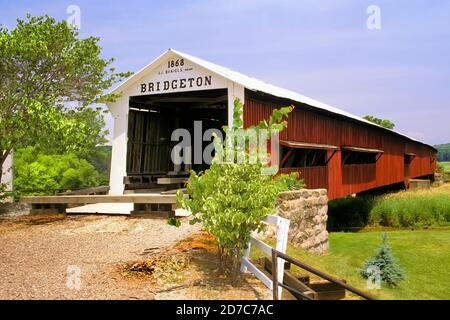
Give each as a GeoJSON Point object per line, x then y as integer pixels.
{"type": "Point", "coordinates": [192, 272]}
{"type": "Point", "coordinates": [85, 257]}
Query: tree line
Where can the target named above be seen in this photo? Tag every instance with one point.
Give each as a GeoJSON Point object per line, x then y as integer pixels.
{"type": "Point", "coordinates": [443, 152]}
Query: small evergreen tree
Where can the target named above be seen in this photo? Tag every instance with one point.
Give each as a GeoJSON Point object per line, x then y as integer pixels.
{"type": "Point", "coordinates": [389, 270]}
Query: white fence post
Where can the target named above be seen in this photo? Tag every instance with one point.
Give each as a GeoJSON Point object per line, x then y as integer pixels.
{"type": "Point", "coordinates": [281, 245]}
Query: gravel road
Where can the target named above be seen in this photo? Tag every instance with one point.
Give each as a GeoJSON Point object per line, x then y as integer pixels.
{"type": "Point", "coordinates": [43, 261]}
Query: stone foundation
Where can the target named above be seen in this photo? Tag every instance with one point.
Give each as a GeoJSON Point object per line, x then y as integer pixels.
{"type": "Point", "coordinates": [307, 210]}
{"type": "Point", "coordinates": [419, 184]}
{"type": "Point", "coordinates": [439, 178]}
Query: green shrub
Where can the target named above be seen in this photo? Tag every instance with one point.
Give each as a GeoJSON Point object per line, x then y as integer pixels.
{"type": "Point", "coordinates": [230, 199]}
{"type": "Point", "coordinates": [404, 209]}
{"type": "Point", "coordinates": [40, 174]}
{"type": "Point", "coordinates": [383, 265]}
{"type": "Point", "coordinates": [290, 181]}
{"type": "Point", "coordinates": [413, 208]}
{"type": "Point", "coordinates": [349, 212]}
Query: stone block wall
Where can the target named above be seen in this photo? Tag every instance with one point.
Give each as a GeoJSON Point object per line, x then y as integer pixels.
{"type": "Point", "coordinates": [419, 184]}
{"type": "Point", "coordinates": [439, 178]}
{"type": "Point", "coordinates": [307, 211]}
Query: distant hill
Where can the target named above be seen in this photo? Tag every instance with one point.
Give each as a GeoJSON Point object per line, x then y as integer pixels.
{"type": "Point", "coordinates": [443, 152]}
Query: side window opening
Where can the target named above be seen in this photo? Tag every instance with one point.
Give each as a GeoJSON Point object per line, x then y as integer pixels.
{"type": "Point", "coordinates": [408, 158]}
{"type": "Point", "coordinates": [358, 157]}
{"type": "Point", "coordinates": [299, 157]}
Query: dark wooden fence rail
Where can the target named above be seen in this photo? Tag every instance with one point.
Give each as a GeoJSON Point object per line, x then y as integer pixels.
{"type": "Point", "coordinates": [277, 254]}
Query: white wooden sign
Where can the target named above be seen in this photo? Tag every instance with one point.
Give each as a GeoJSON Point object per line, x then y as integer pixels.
{"type": "Point", "coordinates": [177, 74]}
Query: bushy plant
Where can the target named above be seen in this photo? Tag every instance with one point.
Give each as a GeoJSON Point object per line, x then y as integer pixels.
{"type": "Point", "coordinates": [404, 209]}
{"type": "Point", "coordinates": [49, 78]}
{"type": "Point", "coordinates": [349, 212]}
{"type": "Point", "coordinates": [385, 265]}
{"type": "Point", "coordinates": [230, 199]}
{"type": "Point", "coordinates": [40, 174]}
{"type": "Point", "coordinates": [288, 181]}
{"type": "Point", "coordinates": [415, 209]}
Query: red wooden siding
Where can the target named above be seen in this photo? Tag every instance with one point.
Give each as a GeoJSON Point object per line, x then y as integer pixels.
{"type": "Point", "coordinates": [317, 177]}
{"type": "Point", "coordinates": [357, 177]}
{"type": "Point", "coordinates": [342, 180]}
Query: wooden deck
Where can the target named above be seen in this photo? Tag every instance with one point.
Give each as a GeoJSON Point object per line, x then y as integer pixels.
{"type": "Point", "coordinates": [153, 203]}
{"type": "Point", "coordinates": [85, 199]}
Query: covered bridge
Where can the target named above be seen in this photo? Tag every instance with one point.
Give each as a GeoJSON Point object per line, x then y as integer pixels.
{"type": "Point", "coordinates": [332, 149]}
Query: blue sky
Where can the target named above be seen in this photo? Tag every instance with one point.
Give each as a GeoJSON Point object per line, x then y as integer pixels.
{"type": "Point", "coordinates": [322, 49]}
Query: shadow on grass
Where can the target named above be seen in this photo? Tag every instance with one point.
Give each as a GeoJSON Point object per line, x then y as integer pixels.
{"type": "Point", "coordinates": [351, 214]}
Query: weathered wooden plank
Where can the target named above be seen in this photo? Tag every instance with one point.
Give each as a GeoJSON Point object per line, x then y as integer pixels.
{"type": "Point", "coordinates": [83, 199]}
{"type": "Point", "coordinates": [327, 290]}
{"type": "Point", "coordinates": [174, 191]}
{"type": "Point", "coordinates": [86, 191]}
{"type": "Point", "coordinates": [152, 214]}
{"type": "Point", "coordinates": [291, 281]}
{"type": "Point", "coordinates": [419, 184]}
{"type": "Point", "coordinates": [172, 180]}
{"type": "Point", "coordinates": [45, 211]}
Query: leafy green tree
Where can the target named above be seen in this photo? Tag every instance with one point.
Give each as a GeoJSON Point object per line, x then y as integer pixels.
{"type": "Point", "coordinates": [80, 132]}
{"type": "Point", "coordinates": [385, 264]}
{"type": "Point", "coordinates": [41, 174]}
{"type": "Point", "coordinates": [100, 158]}
{"type": "Point", "coordinates": [230, 199]}
{"type": "Point", "coordinates": [49, 78]}
{"type": "Point", "coordinates": [381, 122]}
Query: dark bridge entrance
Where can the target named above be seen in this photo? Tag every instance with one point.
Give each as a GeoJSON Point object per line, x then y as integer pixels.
{"type": "Point", "coordinates": [151, 121]}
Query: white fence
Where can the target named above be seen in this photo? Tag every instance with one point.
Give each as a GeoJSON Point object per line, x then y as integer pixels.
{"type": "Point", "coordinates": [282, 225]}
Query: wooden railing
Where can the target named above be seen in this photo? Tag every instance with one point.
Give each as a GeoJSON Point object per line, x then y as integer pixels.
{"type": "Point", "coordinates": [276, 255]}
{"type": "Point", "coordinates": [282, 225]}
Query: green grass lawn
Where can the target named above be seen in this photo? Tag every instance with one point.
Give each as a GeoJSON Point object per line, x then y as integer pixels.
{"type": "Point", "coordinates": [424, 255]}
